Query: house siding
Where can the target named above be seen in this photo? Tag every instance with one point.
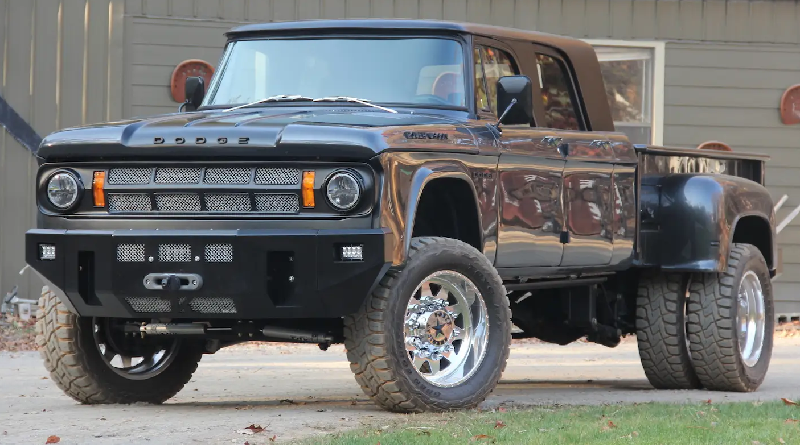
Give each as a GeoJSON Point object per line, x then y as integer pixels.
{"type": "Point", "coordinates": [727, 64]}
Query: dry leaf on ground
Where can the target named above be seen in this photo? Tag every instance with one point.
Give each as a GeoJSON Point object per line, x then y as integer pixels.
{"type": "Point", "coordinates": [53, 439]}
{"type": "Point", "coordinates": [789, 402]}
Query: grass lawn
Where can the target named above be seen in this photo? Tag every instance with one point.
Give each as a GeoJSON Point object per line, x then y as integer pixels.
{"type": "Point", "coordinates": [650, 423]}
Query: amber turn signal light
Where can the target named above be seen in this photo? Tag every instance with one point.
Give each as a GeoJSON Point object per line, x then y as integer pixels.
{"type": "Point", "coordinates": [98, 183]}
{"type": "Point", "coordinates": [308, 189]}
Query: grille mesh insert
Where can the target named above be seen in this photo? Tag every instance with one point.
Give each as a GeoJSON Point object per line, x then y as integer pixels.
{"type": "Point", "coordinates": [175, 253]}
{"type": "Point", "coordinates": [129, 202]}
{"type": "Point", "coordinates": [178, 202]}
{"type": "Point", "coordinates": [128, 176]}
{"type": "Point", "coordinates": [227, 176]}
{"type": "Point", "coordinates": [130, 253]}
{"type": "Point", "coordinates": [212, 305]}
{"type": "Point", "coordinates": [228, 202]}
{"type": "Point", "coordinates": [149, 304]}
{"type": "Point", "coordinates": [178, 175]}
{"type": "Point", "coordinates": [277, 203]}
{"type": "Point", "coordinates": [219, 253]}
{"type": "Point", "coordinates": [277, 176]}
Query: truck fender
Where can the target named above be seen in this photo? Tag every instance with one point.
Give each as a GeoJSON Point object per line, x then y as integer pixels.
{"type": "Point", "coordinates": [688, 221]}
{"type": "Point", "coordinates": [406, 175]}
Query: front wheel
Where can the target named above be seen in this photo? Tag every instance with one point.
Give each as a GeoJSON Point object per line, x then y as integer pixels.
{"type": "Point", "coordinates": [94, 362]}
{"type": "Point", "coordinates": [435, 335]}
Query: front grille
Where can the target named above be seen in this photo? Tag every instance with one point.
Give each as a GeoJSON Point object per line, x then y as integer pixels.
{"type": "Point", "coordinates": [129, 202]}
{"type": "Point", "coordinates": [130, 253]}
{"type": "Point", "coordinates": [212, 305]}
{"type": "Point", "coordinates": [149, 304]}
{"type": "Point", "coordinates": [178, 202]}
{"type": "Point", "coordinates": [175, 253]}
{"type": "Point", "coordinates": [227, 176]}
{"type": "Point", "coordinates": [277, 176]}
{"type": "Point", "coordinates": [219, 253]}
{"type": "Point", "coordinates": [178, 175]}
{"type": "Point", "coordinates": [228, 202]}
{"type": "Point", "coordinates": [277, 203]}
{"type": "Point", "coordinates": [128, 176]}
{"type": "Point", "coordinates": [204, 190]}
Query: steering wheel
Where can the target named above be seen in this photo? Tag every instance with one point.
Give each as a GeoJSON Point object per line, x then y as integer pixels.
{"type": "Point", "coordinates": [431, 98]}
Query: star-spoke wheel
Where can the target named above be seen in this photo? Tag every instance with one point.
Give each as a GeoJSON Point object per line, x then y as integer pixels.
{"type": "Point", "coordinates": [446, 328]}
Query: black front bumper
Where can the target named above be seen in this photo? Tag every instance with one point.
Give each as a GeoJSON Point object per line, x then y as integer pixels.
{"type": "Point", "coordinates": [270, 273]}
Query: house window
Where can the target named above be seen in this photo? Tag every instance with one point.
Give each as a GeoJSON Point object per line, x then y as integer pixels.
{"type": "Point", "coordinates": [628, 73]}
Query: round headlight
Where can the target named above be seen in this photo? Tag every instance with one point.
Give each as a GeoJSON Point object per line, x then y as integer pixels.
{"type": "Point", "coordinates": [344, 190]}
{"type": "Point", "coordinates": [63, 190]}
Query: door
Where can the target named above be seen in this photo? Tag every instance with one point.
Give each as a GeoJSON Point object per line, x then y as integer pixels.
{"type": "Point", "coordinates": [589, 164]}
{"type": "Point", "coordinates": [530, 174]}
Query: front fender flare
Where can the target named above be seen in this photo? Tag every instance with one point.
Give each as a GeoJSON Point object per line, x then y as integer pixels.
{"type": "Point", "coordinates": [405, 178]}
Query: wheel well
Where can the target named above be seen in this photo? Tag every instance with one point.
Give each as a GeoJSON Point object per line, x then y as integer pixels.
{"type": "Point", "coordinates": [447, 208]}
{"type": "Point", "coordinates": [756, 231]}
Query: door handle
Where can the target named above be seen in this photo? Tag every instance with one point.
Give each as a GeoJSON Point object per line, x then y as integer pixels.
{"type": "Point", "coordinates": [605, 145]}
{"type": "Point", "coordinates": [552, 141]}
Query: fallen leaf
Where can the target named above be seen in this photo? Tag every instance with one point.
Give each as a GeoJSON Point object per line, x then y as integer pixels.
{"type": "Point", "coordinates": [53, 439]}
{"type": "Point", "coordinates": [43, 378]}
{"type": "Point", "coordinates": [480, 437]}
{"type": "Point", "coordinates": [708, 402]}
{"type": "Point", "coordinates": [780, 439]}
{"type": "Point", "coordinates": [635, 434]}
{"type": "Point", "coordinates": [611, 424]}
{"type": "Point", "coordinates": [789, 402]}
{"type": "Point", "coordinates": [791, 421]}
{"type": "Point", "coordinates": [701, 413]}
{"type": "Point", "coordinates": [255, 428]}
{"type": "Point", "coordinates": [502, 410]}
{"type": "Point", "coordinates": [272, 439]}
{"type": "Point", "coordinates": [759, 403]}
{"type": "Point", "coordinates": [499, 424]}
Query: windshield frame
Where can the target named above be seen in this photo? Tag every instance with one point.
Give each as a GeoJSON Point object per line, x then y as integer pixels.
{"type": "Point", "coordinates": [461, 39]}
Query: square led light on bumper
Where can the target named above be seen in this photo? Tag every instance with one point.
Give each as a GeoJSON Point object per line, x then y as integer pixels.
{"type": "Point", "coordinates": [47, 252]}
{"type": "Point", "coordinates": [351, 252]}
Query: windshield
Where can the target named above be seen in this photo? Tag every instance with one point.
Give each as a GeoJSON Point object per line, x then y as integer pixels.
{"type": "Point", "coordinates": [417, 71]}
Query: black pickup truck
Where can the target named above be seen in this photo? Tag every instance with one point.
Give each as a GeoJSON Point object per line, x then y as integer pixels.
{"type": "Point", "coordinates": [416, 190]}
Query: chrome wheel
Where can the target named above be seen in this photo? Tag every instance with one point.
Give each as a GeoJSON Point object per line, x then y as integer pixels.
{"type": "Point", "coordinates": [140, 364]}
{"type": "Point", "coordinates": [752, 318]}
{"type": "Point", "coordinates": [446, 328]}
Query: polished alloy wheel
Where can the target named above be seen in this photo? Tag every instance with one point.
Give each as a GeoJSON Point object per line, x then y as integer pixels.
{"type": "Point", "coordinates": [752, 318]}
{"type": "Point", "coordinates": [140, 365]}
{"type": "Point", "coordinates": [446, 328]}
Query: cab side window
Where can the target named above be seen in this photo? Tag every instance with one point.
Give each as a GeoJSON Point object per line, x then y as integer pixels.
{"type": "Point", "coordinates": [557, 93]}
{"type": "Point", "coordinates": [496, 64]}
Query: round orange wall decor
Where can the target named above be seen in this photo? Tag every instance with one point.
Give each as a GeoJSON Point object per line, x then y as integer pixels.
{"type": "Point", "coordinates": [189, 68]}
{"type": "Point", "coordinates": [790, 105]}
{"type": "Point", "coordinates": [715, 145]}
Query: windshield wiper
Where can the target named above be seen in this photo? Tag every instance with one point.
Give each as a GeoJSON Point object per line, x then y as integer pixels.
{"type": "Point", "coordinates": [354, 100]}
{"type": "Point", "coordinates": [278, 98]}
{"type": "Point", "coordinates": [285, 98]}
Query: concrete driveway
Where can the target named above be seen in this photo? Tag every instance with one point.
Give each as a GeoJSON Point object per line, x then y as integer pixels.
{"type": "Point", "coordinates": [297, 391]}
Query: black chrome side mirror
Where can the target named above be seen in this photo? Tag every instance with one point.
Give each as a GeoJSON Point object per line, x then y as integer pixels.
{"type": "Point", "coordinates": [514, 100]}
{"type": "Point", "coordinates": [195, 89]}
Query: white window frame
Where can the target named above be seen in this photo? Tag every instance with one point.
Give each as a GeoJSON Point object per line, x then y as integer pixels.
{"type": "Point", "coordinates": [659, 51]}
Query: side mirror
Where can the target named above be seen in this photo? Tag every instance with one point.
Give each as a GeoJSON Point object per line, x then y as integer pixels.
{"type": "Point", "coordinates": [514, 100]}
{"type": "Point", "coordinates": [195, 92]}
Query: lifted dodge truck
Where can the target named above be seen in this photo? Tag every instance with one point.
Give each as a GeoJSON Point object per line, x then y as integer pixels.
{"type": "Point", "coordinates": [412, 189]}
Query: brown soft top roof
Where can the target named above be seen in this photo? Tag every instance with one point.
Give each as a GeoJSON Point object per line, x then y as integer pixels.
{"type": "Point", "coordinates": [580, 54]}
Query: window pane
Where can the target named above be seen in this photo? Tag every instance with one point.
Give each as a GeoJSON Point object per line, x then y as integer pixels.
{"type": "Point", "coordinates": [627, 73]}
{"type": "Point", "coordinates": [415, 71]}
{"type": "Point", "coordinates": [480, 86]}
{"type": "Point", "coordinates": [496, 64]}
{"type": "Point", "coordinates": [559, 111]}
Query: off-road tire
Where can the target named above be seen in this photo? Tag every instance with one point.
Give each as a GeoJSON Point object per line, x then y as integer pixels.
{"type": "Point", "coordinates": [661, 331]}
{"type": "Point", "coordinates": [374, 336]}
{"type": "Point", "coordinates": [67, 345]}
{"type": "Point", "coordinates": [713, 311]}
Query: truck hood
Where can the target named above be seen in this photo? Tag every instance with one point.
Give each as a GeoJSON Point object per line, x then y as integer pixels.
{"type": "Point", "coordinates": [281, 132]}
